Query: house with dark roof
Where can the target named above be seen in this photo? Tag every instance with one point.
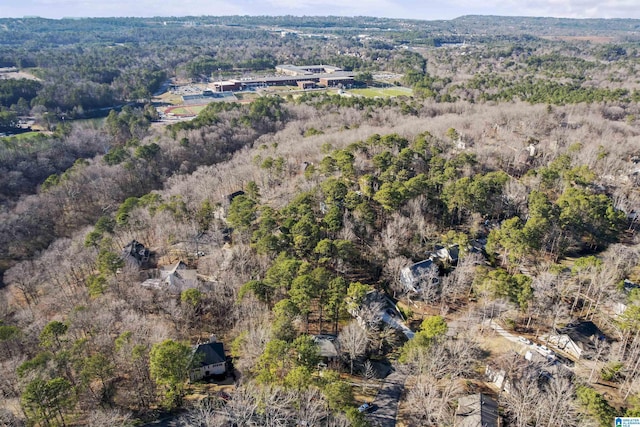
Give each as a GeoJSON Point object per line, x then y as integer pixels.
{"type": "Point", "coordinates": [477, 410]}
{"type": "Point", "coordinates": [578, 339]}
{"type": "Point", "coordinates": [209, 361]}
{"type": "Point", "coordinates": [423, 273]}
{"type": "Point", "coordinates": [136, 254]}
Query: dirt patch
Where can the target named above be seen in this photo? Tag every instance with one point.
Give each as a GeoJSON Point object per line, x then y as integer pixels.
{"type": "Point", "coordinates": [12, 73]}
{"type": "Point", "coordinates": [497, 344]}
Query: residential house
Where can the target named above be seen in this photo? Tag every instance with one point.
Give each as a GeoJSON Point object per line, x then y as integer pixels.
{"type": "Point", "coordinates": [447, 254]}
{"type": "Point", "coordinates": [209, 361]}
{"type": "Point", "coordinates": [136, 254]}
{"type": "Point", "coordinates": [477, 410]}
{"type": "Point", "coordinates": [233, 195]}
{"type": "Point", "coordinates": [578, 339]}
{"type": "Point", "coordinates": [564, 343]}
{"type": "Point", "coordinates": [327, 348]}
{"type": "Point", "coordinates": [423, 273]}
{"type": "Point", "coordinates": [174, 279]}
{"type": "Point", "coordinates": [377, 309]}
{"type": "Point", "coordinates": [223, 209]}
{"type": "Point", "coordinates": [498, 377]}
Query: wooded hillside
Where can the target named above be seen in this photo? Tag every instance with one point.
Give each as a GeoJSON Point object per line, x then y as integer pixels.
{"type": "Point", "coordinates": [293, 215]}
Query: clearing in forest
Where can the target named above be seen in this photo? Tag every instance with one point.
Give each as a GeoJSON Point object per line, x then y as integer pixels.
{"type": "Point", "coordinates": [186, 110]}
{"type": "Point", "coordinates": [373, 92]}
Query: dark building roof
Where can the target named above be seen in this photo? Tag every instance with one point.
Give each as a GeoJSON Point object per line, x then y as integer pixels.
{"type": "Point", "coordinates": [584, 333]}
{"type": "Point", "coordinates": [477, 410]}
{"type": "Point", "coordinates": [412, 276]}
{"type": "Point", "coordinates": [136, 252]}
{"type": "Point", "coordinates": [210, 353]}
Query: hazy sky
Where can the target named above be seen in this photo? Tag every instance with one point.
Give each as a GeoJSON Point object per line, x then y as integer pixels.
{"type": "Point", "coordinates": [418, 9]}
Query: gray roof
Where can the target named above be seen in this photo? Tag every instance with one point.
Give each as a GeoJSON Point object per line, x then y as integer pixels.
{"type": "Point", "coordinates": [306, 77]}
{"type": "Point", "coordinates": [292, 79]}
{"type": "Point", "coordinates": [211, 353]}
{"type": "Point", "coordinates": [477, 410]}
{"type": "Point", "coordinates": [307, 69]}
{"type": "Point", "coordinates": [412, 276]}
{"type": "Point", "coordinates": [344, 77]}
{"type": "Point", "coordinates": [326, 345]}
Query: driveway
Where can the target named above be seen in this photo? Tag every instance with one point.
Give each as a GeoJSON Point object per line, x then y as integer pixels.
{"type": "Point", "coordinates": [387, 401]}
{"type": "Point", "coordinates": [501, 331]}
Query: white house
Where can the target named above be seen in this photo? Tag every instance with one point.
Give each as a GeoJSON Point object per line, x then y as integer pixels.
{"type": "Point", "coordinates": [209, 359]}
{"type": "Point", "coordinates": [565, 343]}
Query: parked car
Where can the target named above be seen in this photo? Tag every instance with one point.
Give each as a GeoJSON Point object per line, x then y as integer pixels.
{"type": "Point", "coordinates": [367, 407]}
{"type": "Point", "coordinates": [544, 350]}
{"type": "Point", "coordinates": [524, 340]}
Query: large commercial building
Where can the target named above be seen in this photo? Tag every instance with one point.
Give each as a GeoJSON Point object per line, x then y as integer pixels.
{"type": "Point", "coordinates": [324, 75]}
{"type": "Point", "coordinates": [306, 70]}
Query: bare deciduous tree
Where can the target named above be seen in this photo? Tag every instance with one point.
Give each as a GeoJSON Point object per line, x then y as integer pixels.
{"type": "Point", "coordinates": [522, 400]}
{"type": "Point", "coordinates": [353, 341]}
{"type": "Point", "coordinates": [557, 407]}
{"type": "Point", "coordinates": [431, 402]}
{"type": "Point", "coordinates": [109, 417]}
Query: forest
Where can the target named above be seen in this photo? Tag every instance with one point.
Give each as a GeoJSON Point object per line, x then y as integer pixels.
{"type": "Point", "coordinates": [511, 171]}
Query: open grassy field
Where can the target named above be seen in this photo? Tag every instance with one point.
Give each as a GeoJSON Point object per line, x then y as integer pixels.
{"type": "Point", "coordinates": [169, 98]}
{"type": "Point", "coordinates": [372, 92]}
{"type": "Point", "coordinates": [247, 96]}
{"type": "Point", "coordinates": [23, 136]}
{"type": "Point", "coordinates": [186, 110]}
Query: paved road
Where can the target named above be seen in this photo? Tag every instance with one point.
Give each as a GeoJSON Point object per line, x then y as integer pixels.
{"type": "Point", "coordinates": [387, 401]}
